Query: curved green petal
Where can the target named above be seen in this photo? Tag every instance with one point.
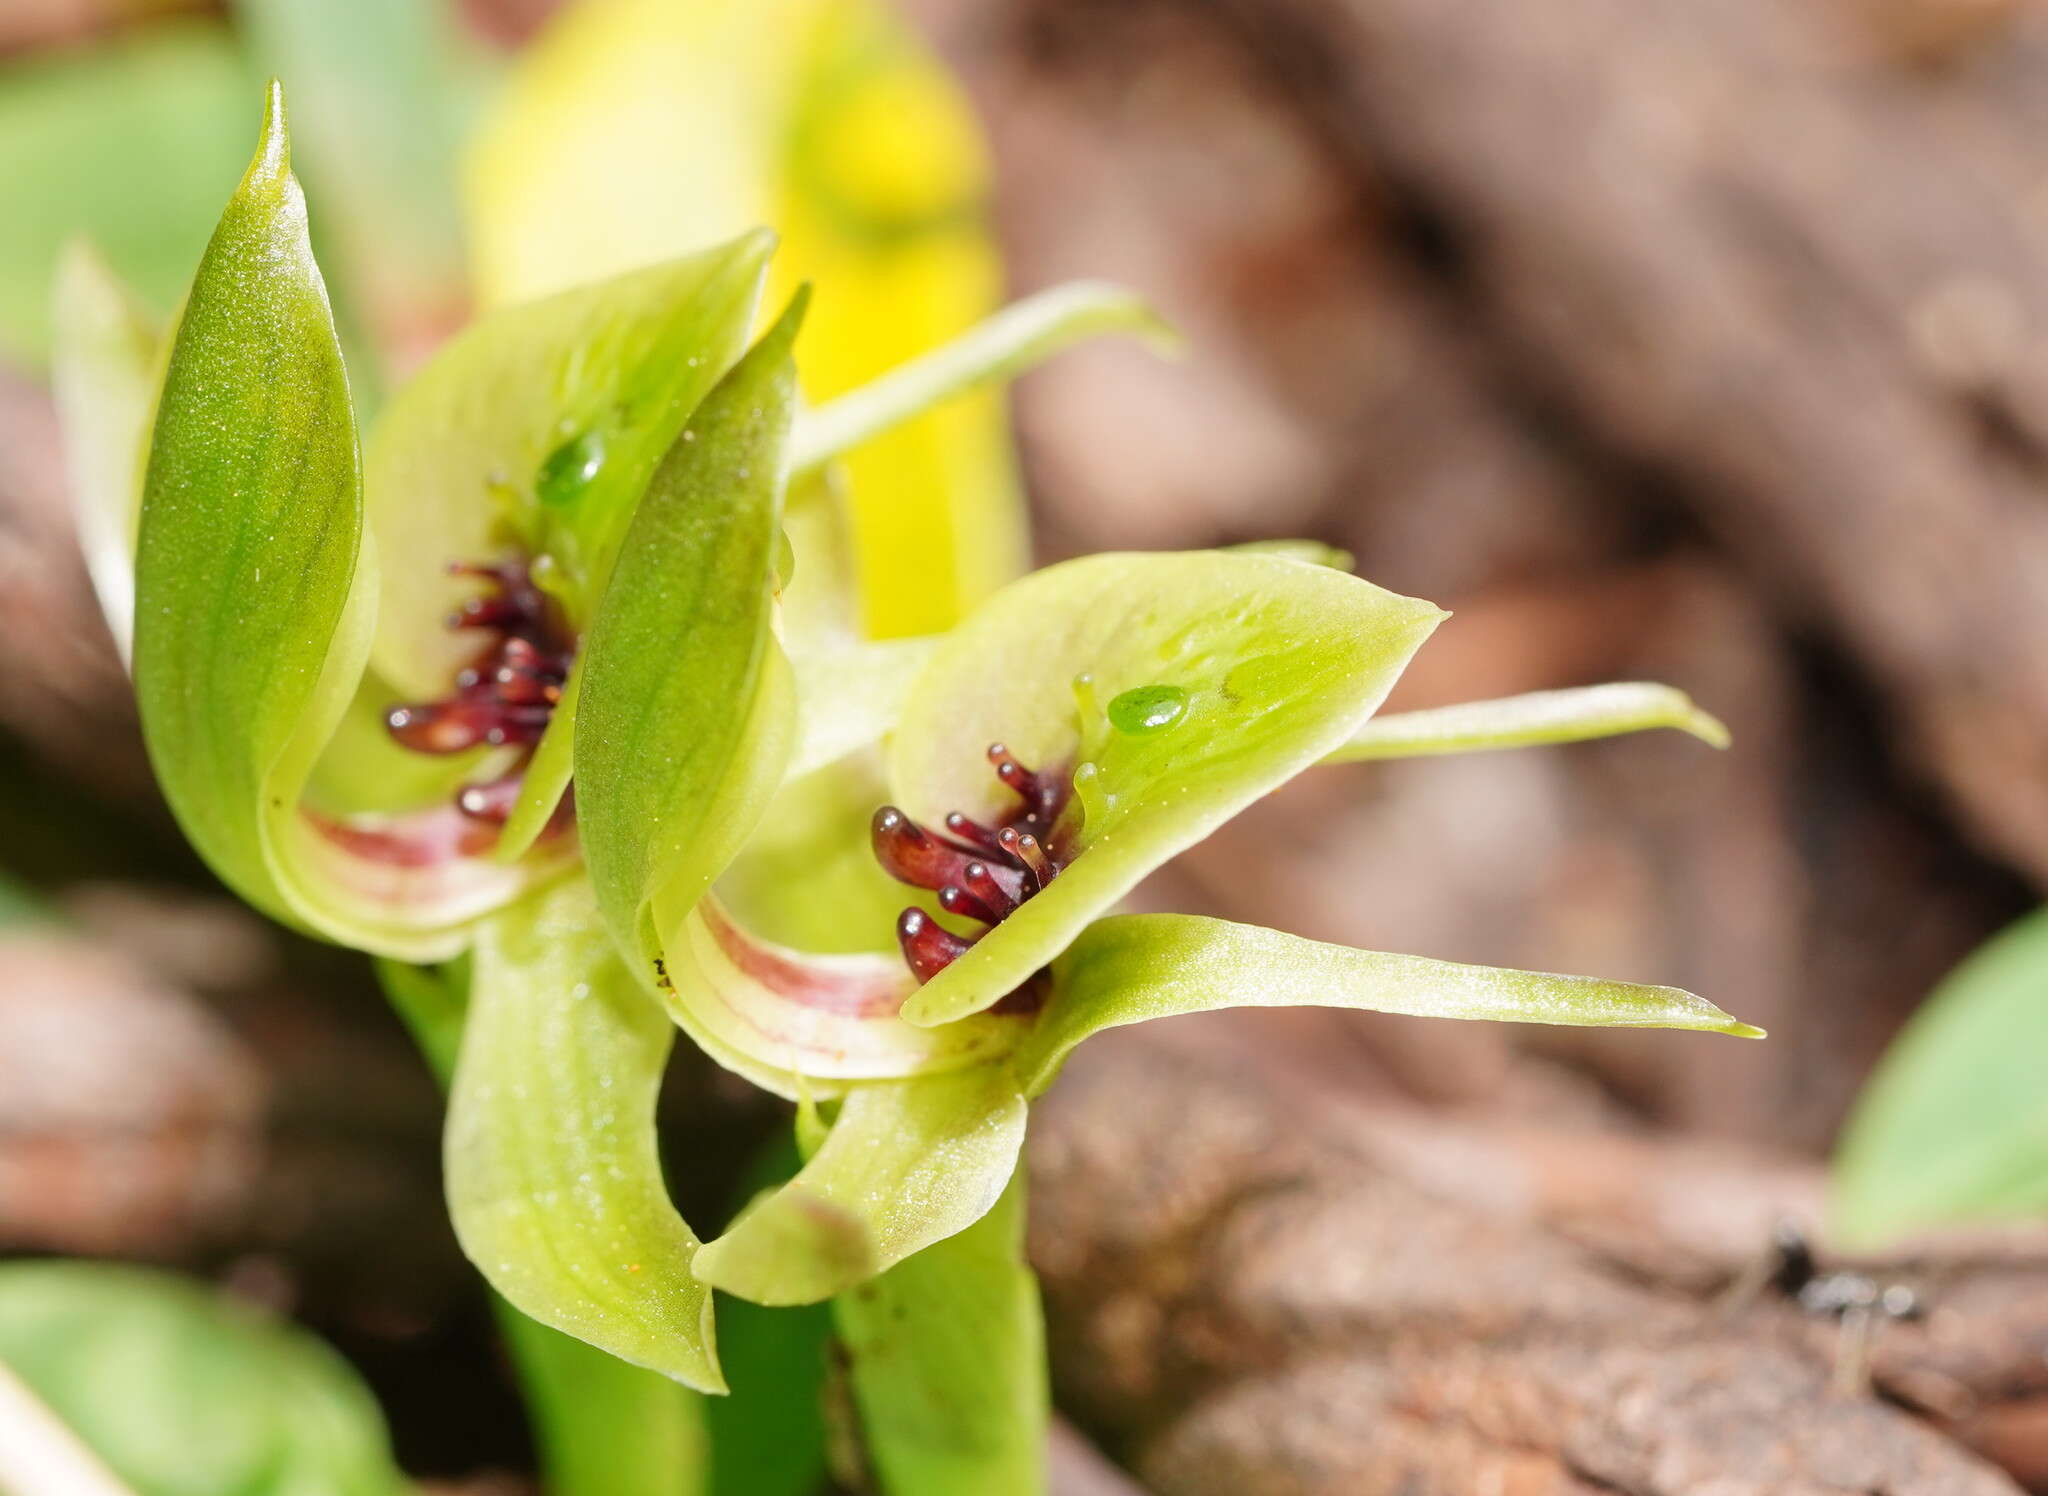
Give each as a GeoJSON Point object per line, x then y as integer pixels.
{"type": "Point", "coordinates": [105, 364]}
{"type": "Point", "coordinates": [907, 1163]}
{"type": "Point", "coordinates": [1953, 1126]}
{"type": "Point", "coordinates": [1528, 720]}
{"type": "Point", "coordinates": [1272, 663]}
{"type": "Point", "coordinates": [554, 1181]}
{"type": "Point", "coordinates": [1133, 967]}
{"type": "Point", "coordinates": [1017, 338]}
{"type": "Point", "coordinates": [537, 428]}
{"type": "Point", "coordinates": [946, 1354]}
{"type": "Point", "coordinates": [685, 714]}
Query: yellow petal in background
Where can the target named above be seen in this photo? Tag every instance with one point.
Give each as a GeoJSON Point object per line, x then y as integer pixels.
{"type": "Point", "coordinates": [635, 130]}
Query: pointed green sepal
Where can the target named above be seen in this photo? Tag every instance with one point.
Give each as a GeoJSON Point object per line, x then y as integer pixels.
{"type": "Point", "coordinates": [1178, 688]}
{"type": "Point", "coordinates": [252, 615]}
{"type": "Point", "coordinates": [554, 1180]}
{"type": "Point", "coordinates": [686, 714]}
{"type": "Point", "coordinates": [1134, 967]}
{"type": "Point", "coordinates": [1529, 720]}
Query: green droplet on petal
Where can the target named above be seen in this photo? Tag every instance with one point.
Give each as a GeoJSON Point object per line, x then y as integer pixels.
{"type": "Point", "coordinates": [1146, 709]}
{"type": "Point", "coordinates": [567, 472]}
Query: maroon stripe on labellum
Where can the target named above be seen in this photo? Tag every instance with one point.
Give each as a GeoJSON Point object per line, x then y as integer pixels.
{"type": "Point", "coordinates": [979, 873]}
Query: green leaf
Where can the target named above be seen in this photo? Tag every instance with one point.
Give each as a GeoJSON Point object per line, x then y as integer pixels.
{"type": "Point", "coordinates": [554, 1182]}
{"type": "Point", "coordinates": [537, 429]}
{"type": "Point", "coordinates": [185, 1393]}
{"type": "Point", "coordinates": [947, 1354]}
{"type": "Point", "coordinates": [1535, 718]}
{"type": "Point", "coordinates": [253, 467]}
{"type": "Point", "coordinates": [769, 1435]}
{"type": "Point", "coordinates": [1017, 338]}
{"type": "Point", "coordinates": [1269, 664]}
{"type": "Point", "coordinates": [802, 1024]}
{"type": "Point", "coordinates": [907, 1163]}
{"type": "Point", "coordinates": [129, 142]}
{"type": "Point", "coordinates": [1134, 967]}
{"type": "Point", "coordinates": [1953, 1126]}
{"type": "Point", "coordinates": [105, 366]}
{"type": "Point", "coordinates": [685, 715]}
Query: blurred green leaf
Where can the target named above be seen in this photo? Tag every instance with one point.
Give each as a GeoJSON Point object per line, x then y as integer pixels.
{"type": "Point", "coordinates": [1953, 1126]}
{"type": "Point", "coordinates": [185, 1393]}
{"type": "Point", "coordinates": [947, 1351]}
{"type": "Point", "coordinates": [129, 143]}
{"type": "Point", "coordinates": [685, 715]}
{"type": "Point", "coordinates": [554, 1182]}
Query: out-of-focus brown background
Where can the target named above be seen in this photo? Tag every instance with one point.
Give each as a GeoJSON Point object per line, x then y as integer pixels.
{"type": "Point", "coordinates": [1657, 339]}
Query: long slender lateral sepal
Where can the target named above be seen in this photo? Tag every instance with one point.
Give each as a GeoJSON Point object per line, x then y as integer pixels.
{"type": "Point", "coordinates": [1530, 720]}
{"type": "Point", "coordinates": [246, 574]}
{"type": "Point", "coordinates": [1015, 339]}
{"type": "Point", "coordinates": [554, 1180]}
{"type": "Point", "coordinates": [685, 718]}
{"type": "Point", "coordinates": [1133, 967]}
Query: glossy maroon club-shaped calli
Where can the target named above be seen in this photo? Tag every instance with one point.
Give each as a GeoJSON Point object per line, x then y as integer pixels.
{"type": "Point", "coordinates": [980, 873]}
{"type": "Point", "coordinates": [506, 695]}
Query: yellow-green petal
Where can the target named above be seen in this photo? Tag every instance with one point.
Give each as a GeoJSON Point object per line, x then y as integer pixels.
{"type": "Point", "coordinates": [1270, 665]}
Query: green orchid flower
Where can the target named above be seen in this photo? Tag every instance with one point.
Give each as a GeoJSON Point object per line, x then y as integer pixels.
{"type": "Point", "coordinates": [1079, 730]}
{"type": "Point", "coordinates": [358, 667]}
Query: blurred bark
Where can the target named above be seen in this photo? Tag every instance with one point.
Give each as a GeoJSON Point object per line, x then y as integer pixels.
{"type": "Point", "coordinates": [1259, 1286]}
{"type": "Point", "coordinates": [1364, 277]}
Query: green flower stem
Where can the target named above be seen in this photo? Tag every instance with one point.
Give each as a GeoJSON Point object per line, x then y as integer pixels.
{"type": "Point", "coordinates": [947, 1353]}
{"type": "Point", "coordinates": [1532, 719]}
{"type": "Point", "coordinates": [602, 1427]}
